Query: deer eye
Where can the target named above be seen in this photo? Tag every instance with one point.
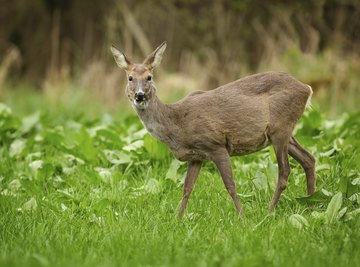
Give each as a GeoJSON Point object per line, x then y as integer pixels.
{"type": "Point", "coordinates": [130, 78]}
{"type": "Point", "coordinates": [148, 78]}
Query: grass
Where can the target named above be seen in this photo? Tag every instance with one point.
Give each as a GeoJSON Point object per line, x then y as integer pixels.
{"type": "Point", "coordinates": [96, 190]}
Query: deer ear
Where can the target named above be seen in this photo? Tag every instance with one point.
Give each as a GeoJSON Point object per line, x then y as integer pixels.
{"type": "Point", "coordinates": [154, 59]}
{"type": "Point", "coordinates": [121, 60]}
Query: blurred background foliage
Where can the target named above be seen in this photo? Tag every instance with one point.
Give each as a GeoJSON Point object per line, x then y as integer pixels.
{"type": "Point", "coordinates": [61, 47]}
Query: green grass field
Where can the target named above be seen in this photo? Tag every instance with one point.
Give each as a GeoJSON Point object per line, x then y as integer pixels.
{"type": "Point", "coordinates": [97, 190]}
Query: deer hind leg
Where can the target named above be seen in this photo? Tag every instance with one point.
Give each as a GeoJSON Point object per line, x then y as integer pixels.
{"type": "Point", "coordinates": [281, 151]}
{"type": "Point", "coordinates": [306, 160]}
{"type": "Point", "coordinates": [222, 161]}
{"type": "Point", "coordinates": [193, 170]}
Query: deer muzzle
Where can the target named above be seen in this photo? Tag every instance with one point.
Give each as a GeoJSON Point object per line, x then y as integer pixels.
{"type": "Point", "coordinates": [139, 97]}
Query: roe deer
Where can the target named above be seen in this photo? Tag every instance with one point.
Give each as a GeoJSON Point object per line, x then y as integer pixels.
{"type": "Point", "coordinates": [238, 118]}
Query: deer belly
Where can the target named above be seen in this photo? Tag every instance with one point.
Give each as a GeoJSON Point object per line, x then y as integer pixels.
{"type": "Point", "coordinates": [238, 145]}
{"type": "Point", "coordinates": [190, 154]}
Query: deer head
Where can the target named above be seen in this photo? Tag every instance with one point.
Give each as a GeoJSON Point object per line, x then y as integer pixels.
{"type": "Point", "coordinates": [140, 87]}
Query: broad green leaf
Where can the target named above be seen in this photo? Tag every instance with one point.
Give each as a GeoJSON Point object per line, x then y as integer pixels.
{"type": "Point", "coordinates": [151, 186]}
{"type": "Point", "coordinates": [298, 221]}
{"type": "Point", "coordinates": [333, 208]}
{"type": "Point", "coordinates": [46, 170]}
{"type": "Point", "coordinates": [96, 219]}
{"type": "Point", "coordinates": [326, 193]}
{"type": "Point", "coordinates": [322, 167]}
{"type": "Point", "coordinates": [343, 184]}
{"type": "Point", "coordinates": [53, 136]}
{"type": "Point", "coordinates": [314, 119]}
{"type": "Point", "coordinates": [86, 147]}
{"type": "Point", "coordinates": [355, 198]}
{"type": "Point", "coordinates": [30, 205]}
{"type": "Point", "coordinates": [172, 171]}
{"type": "Point", "coordinates": [318, 215]}
{"type": "Point", "coordinates": [349, 186]}
{"type": "Point", "coordinates": [271, 172]}
{"type": "Point", "coordinates": [34, 156]}
{"type": "Point", "coordinates": [341, 213]}
{"type": "Point", "coordinates": [63, 207]}
{"type": "Point", "coordinates": [317, 197]}
{"type": "Point", "coordinates": [139, 134]}
{"type": "Point", "coordinates": [71, 160]}
{"type": "Point", "coordinates": [29, 122]}
{"type": "Point", "coordinates": [36, 164]}
{"type": "Point", "coordinates": [117, 157]}
{"type": "Point", "coordinates": [93, 131]}
{"type": "Point", "coordinates": [351, 215]}
{"type": "Point", "coordinates": [329, 153]}
{"type": "Point", "coordinates": [134, 145]}
{"type": "Point", "coordinates": [260, 181]}
{"type": "Point", "coordinates": [135, 136]}
{"type": "Point", "coordinates": [7, 120]}
{"type": "Point", "coordinates": [155, 148]}
{"type": "Point", "coordinates": [105, 174]}
{"type": "Point", "coordinates": [107, 135]}
{"type": "Point", "coordinates": [68, 192]}
{"type": "Point", "coordinates": [14, 185]}
{"type": "Point", "coordinates": [5, 110]}
{"type": "Point", "coordinates": [353, 187]}
{"type": "Point", "coordinates": [356, 181]}
{"type": "Point", "coordinates": [17, 147]}
{"type": "Point", "coordinates": [107, 119]}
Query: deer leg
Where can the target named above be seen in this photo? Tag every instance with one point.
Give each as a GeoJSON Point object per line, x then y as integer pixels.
{"type": "Point", "coordinates": [193, 170]}
{"type": "Point", "coordinates": [222, 161]}
{"type": "Point", "coordinates": [306, 160]}
{"type": "Point", "coordinates": [281, 151]}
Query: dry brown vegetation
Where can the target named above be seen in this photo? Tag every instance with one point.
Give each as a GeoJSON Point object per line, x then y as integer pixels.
{"type": "Point", "coordinates": [209, 43]}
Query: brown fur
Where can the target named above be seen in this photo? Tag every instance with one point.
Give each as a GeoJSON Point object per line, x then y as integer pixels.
{"type": "Point", "coordinates": [235, 119]}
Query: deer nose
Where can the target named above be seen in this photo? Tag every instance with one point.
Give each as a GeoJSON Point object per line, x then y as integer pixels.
{"type": "Point", "coordinates": [139, 96]}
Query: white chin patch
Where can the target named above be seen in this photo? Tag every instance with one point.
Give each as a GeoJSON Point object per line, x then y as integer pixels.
{"type": "Point", "coordinates": [140, 105]}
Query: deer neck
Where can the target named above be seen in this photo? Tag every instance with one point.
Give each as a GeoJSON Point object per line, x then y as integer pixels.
{"type": "Point", "coordinates": [157, 119]}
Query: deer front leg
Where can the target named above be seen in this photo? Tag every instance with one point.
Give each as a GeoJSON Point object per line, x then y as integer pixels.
{"type": "Point", "coordinates": [193, 170]}
{"type": "Point", "coordinates": [222, 161]}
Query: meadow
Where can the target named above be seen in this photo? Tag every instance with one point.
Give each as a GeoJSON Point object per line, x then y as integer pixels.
{"type": "Point", "coordinates": [83, 187]}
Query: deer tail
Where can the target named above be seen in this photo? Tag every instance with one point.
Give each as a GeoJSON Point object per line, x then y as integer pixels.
{"type": "Point", "coordinates": [308, 102]}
